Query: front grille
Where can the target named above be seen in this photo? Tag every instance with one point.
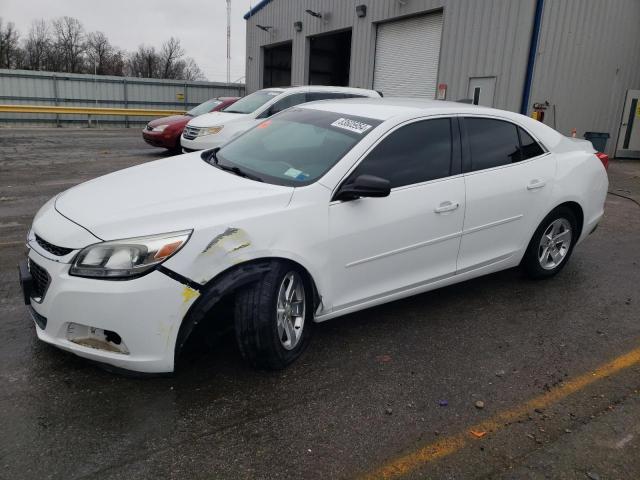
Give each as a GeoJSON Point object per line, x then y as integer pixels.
{"type": "Point", "coordinates": [41, 280]}
{"type": "Point", "coordinates": [190, 132]}
{"type": "Point", "coordinates": [49, 247]}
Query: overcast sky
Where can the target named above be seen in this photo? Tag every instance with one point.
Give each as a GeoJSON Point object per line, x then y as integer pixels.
{"type": "Point", "coordinates": [199, 24]}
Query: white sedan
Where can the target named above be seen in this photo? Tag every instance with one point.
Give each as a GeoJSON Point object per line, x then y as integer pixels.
{"type": "Point", "coordinates": [322, 210]}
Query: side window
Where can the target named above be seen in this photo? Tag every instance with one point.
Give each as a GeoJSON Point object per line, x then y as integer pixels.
{"type": "Point", "coordinates": [286, 102]}
{"type": "Point", "coordinates": [415, 153]}
{"type": "Point", "coordinates": [492, 142]}
{"type": "Point", "coordinates": [529, 148]}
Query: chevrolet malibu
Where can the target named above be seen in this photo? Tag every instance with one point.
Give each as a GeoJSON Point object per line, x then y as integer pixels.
{"type": "Point", "coordinates": [322, 210]}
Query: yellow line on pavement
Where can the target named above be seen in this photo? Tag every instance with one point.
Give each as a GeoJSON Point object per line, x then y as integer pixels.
{"type": "Point", "coordinates": [412, 461]}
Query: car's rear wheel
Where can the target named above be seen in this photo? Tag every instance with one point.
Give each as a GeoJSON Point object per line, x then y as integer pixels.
{"type": "Point", "coordinates": [552, 244]}
{"type": "Point", "coordinates": [274, 318]}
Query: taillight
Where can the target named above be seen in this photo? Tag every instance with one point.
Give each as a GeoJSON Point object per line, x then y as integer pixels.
{"type": "Point", "coordinates": [604, 158]}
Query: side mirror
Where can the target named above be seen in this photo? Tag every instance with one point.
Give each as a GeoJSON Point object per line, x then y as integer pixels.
{"type": "Point", "coordinates": [364, 186]}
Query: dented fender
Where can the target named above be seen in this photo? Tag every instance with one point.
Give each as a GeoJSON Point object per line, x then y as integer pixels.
{"type": "Point", "coordinates": [214, 291]}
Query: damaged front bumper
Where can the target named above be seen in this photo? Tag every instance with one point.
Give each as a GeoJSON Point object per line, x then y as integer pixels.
{"type": "Point", "coordinates": [128, 324]}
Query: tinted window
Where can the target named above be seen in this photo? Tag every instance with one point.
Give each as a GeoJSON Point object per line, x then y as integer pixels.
{"type": "Point", "coordinates": [415, 153]}
{"type": "Point", "coordinates": [286, 102]}
{"type": "Point", "coordinates": [492, 142]}
{"type": "Point", "coordinates": [528, 146]}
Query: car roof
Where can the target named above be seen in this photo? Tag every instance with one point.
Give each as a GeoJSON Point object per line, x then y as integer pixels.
{"type": "Point", "coordinates": [324, 88]}
{"type": "Point", "coordinates": [389, 108]}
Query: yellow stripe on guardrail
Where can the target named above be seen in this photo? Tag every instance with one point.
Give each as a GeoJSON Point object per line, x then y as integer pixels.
{"type": "Point", "coordinates": [133, 112]}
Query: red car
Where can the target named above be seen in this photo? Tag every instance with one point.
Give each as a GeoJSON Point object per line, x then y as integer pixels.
{"type": "Point", "coordinates": [165, 132]}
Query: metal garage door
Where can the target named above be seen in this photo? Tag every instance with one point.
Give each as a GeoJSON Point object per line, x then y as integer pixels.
{"type": "Point", "coordinates": [407, 54]}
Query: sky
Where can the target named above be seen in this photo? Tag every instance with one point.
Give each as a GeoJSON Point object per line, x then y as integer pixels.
{"type": "Point", "coordinates": [199, 24]}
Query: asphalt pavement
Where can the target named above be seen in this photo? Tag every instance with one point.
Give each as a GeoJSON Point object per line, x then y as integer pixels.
{"type": "Point", "coordinates": [498, 377]}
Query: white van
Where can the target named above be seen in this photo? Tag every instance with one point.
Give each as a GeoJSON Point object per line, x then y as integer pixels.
{"type": "Point", "coordinates": [213, 130]}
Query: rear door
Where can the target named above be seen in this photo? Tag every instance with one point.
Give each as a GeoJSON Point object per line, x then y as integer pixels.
{"type": "Point", "coordinates": [508, 181]}
{"type": "Point", "coordinates": [381, 246]}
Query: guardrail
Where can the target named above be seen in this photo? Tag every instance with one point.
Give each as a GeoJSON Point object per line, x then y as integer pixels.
{"type": "Point", "coordinates": [129, 112]}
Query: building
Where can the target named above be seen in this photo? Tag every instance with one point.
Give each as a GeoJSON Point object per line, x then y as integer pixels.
{"type": "Point", "coordinates": [576, 62]}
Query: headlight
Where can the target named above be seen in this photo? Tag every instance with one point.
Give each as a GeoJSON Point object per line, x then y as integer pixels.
{"type": "Point", "coordinates": [211, 130]}
{"type": "Point", "coordinates": [160, 128]}
{"type": "Point", "coordinates": [127, 258]}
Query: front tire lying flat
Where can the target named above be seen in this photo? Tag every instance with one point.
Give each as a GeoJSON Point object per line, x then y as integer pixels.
{"type": "Point", "coordinates": [552, 244]}
{"type": "Point", "coordinates": [274, 318]}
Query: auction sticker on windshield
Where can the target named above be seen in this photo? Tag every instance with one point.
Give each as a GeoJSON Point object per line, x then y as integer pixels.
{"type": "Point", "coordinates": [351, 125]}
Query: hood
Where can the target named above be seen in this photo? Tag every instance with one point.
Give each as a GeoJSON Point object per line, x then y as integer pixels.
{"type": "Point", "coordinates": [176, 193]}
{"type": "Point", "coordinates": [214, 119]}
{"type": "Point", "coordinates": [172, 120]}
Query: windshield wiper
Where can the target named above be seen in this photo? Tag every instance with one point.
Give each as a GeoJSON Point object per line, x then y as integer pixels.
{"type": "Point", "coordinates": [213, 159]}
{"type": "Point", "coordinates": [233, 111]}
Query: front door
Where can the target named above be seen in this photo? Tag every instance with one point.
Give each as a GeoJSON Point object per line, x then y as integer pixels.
{"type": "Point", "coordinates": [382, 246]}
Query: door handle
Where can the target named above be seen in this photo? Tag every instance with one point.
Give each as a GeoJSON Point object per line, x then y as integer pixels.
{"type": "Point", "coordinates": [535, 184]}
{"type": "Point", "coordinates": [447, 206]}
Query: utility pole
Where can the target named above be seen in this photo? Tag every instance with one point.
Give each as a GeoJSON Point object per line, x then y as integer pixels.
{"type": "Point", "coordinates": [228, 41]}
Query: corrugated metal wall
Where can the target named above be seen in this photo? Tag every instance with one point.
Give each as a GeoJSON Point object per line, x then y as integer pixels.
{"type": "Point", "coordinates": [588, 57]}
{"type": "Point", "coordinates": [588, 54]}
{"type": "Point", "coordinates": [46, 88]}
{"type": "Point", "coordinates": [480, 38]}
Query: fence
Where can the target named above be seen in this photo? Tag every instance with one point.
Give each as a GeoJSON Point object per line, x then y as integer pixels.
{"type": "Point", "coordinates": [24, 87]}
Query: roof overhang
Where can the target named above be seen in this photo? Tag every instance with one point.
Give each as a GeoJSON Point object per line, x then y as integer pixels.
{"type": "Point", "coordinates": [259, 6]}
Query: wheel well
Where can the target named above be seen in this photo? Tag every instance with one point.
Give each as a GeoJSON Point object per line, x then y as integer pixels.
{"type": "Point", "coordinates": [577, 211]}
{"type": "Point", "coordinates": [223, 287]}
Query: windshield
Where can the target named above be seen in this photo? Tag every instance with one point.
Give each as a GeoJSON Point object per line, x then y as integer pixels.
{"type": "Point", "coordinates": [251, 103]}
{"type": "Point", "coordinates": [296, 147]}
{"type": "Point", "coordinates": [205, 107]}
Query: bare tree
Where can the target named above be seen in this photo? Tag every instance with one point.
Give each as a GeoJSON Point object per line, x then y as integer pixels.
{"type": "Point", "coordinates": [63, 46]}
{"type": "Point", "coordinates": [191, 70]}
{"type": "Point", "coordinates": [37, 46]}
{"type": "Point", "coordinates": [70, 43]}
{"type": "Point", "coordinates": [100, 53]}
{"type": "Point", "coordinates": [144, 62]}
{"type": "Point", "coordinates": [10, 53]}
{"type": "Point", "coordinates": [117, 63]}
{"type": "Point", "coordinates": [170, 55]}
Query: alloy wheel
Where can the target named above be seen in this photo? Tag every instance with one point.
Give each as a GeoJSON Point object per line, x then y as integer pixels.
{"type": "Point", "coordinates": [290, 310]}
{"type": "Point", "coordinates": [555, 244]}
